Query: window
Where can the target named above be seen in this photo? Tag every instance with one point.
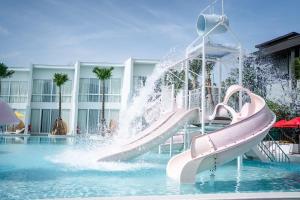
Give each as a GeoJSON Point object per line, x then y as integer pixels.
{"type": "Point", "coordinates": [138, 83]}
{"type": "Point", "coordinates": [43, 120]}
{"type": "Point", "coordinates": [5, 91]}
{"type": "Point", "coordinates": [93, 121]}
{"type": "Point", "coordinates": [82, 120]}
{"type": "Point", "coordinates": [35, 120]}
{"type": "Point", "coordinates": [90, 90]}
{"type": "Point", "coordinates": [14, 91]}
{"type": "Point", "coordinates": [89, 119]}
{"type": "Point", "coordinates": [47, 91]}
{"type": "Point", "coordinates": [94, 90]}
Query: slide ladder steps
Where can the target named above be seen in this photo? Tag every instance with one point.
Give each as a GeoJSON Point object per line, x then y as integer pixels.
{"type": "Point", "coordinates": [272, 150]}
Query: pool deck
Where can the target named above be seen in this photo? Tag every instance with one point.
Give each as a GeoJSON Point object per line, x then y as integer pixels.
{"type": "Point", "coordinates": [224, 196]}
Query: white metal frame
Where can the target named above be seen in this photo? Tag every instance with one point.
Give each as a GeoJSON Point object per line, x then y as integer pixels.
{"type": "Point", "coordinates": [195, 45]}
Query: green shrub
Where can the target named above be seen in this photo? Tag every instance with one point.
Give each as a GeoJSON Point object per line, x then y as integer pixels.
{"type": "Point", "coordinates": [297, 68]}
{"type": "Point", "coordinates": [281, 111]}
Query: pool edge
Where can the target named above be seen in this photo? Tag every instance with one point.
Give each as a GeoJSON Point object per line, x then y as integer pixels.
{"type": "Point", "coordinates": [224, 196]}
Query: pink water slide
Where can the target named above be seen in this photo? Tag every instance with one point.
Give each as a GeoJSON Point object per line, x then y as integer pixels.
{"type": "Point", "coordinates": [247, 129]}
{"type": "Point", "coordinates": [160, 131]}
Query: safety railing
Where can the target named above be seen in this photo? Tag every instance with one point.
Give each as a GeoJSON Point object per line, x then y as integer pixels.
{"type": "Point", "coordinates": [213, 96]}
{"type": "Point", "coordinates": [272, 150]}
{"type": "Point", "coordinates": [265, 150]}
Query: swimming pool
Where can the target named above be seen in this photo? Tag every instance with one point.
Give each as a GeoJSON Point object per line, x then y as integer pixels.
{"type": "Point", "coordinates": [37, 171]}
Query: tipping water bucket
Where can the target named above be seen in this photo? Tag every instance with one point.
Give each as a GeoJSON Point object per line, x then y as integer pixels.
{"type": "Point", "coordinates": [206, 22]}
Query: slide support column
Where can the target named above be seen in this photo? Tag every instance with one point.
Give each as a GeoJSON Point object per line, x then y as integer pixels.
{"type": "Point", "coordinates": [240, 158]}
{"type": "Point", "coordinates": [203, 88]}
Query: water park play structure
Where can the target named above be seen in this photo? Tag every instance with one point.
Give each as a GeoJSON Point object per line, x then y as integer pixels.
{"type": "Point", "coordinates": [167, 113]}
{"type": "Point", "coordinates": [248, 127]}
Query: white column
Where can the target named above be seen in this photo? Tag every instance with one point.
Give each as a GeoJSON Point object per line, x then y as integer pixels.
{"type": "Point", "coordinates": [185, 132]}
{"type": "Point", "coordinates": [127, 84]}
{"type": "Point", "coordinates": [239, 162]}
{"type": "Point", "coordinates": [172, 97]}
{"type": "Point", "coordinates": [28, 103]}
{"type": "Point", "coordinates": [186, 85]}
{"type": "Point", "coordinates": [171, 146]}
{"type": "Point", "coordinates": [203, 106]}
{"type": "Point", "coordinates": [240, 76]}
{"type": "Point", "coordinates": [240, 158]}
{"type": "Point", "coordinates": [74, 103]}
{"type": "Point", "coordinates": [186, 99]}
{"type": "Point", "coordinates": [220, 80]}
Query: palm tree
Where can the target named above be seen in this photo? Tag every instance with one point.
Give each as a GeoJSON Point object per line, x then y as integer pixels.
{"type": "Point", "coordinates": [59, 79]}
{"type": "Point", "coordinates": [175, 77]}
{"type": "Point", "coordinates": [195, 68]}
{"type": "Point", "coordinates": [5, 73]}
{"type": "Point", "coordinates": [103, 74]}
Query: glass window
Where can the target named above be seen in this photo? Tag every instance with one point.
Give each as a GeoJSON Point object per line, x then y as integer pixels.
{"type": "Point", "coordinates": [23, 88]}
{"type": "Point", "coordinates": [54, 116]}
{"type": "Point", "coordinates": [4, 91]}
{"type": "Point", "coordinates": [37, 86]}
{"type": "Point", "coordinates": [138, 83]}
{"type": "Point", "coordinates": [47, 85]}
{"type": "Point", "coordinates": [114, 115]}
{"type": "Point", "coordinates": [83, 89]}
{"type": "Point", "coordinates": [65, 115]}
{"type": "Point", "coordinates": [82, 120]}
{"type": "Point", "coordinates": [45, 121]}
{"type": "Point", "coordinates": [90, 90]}
{"type": "Point", "coordinates": [35, 120]}
{"type": "Point", "coordinates": [4, 87]}
{"type": "Point", "coordinates": [94, 90]}
{"type": "Point", "coordinates": [47, 91]}
{"type": "Point", "coordinates": [93, 121]}
{"type": "Point", "coordinates": [14, 92]}
{"type": "Point", "coordinates": [115, 86]}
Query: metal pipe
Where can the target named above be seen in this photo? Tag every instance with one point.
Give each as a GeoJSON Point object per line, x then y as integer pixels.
{"type": "Point", "coordinates": [240, 76]}
{"type": "Point", "coordinates": [222, 7]}
{"type": "Point", "coordinates": [171, 146]}
{"type": "Point", "coordinates": [220, 81]}
{"type": "Point", "coordinates": [203, 87]}
{"type": "Point", "coordinates": [186, 86]}
{"type": "Point", "coordinates": [176, 76]}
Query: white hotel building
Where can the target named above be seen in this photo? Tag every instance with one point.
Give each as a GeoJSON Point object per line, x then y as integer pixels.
{"type": "Point", "coordinates": [31, 91]}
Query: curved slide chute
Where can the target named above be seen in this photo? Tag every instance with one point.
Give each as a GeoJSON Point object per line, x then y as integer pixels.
{"type": "Point", "coordinates": [247, 129]}
{"type": "Point", "coordinates": [156, 134]}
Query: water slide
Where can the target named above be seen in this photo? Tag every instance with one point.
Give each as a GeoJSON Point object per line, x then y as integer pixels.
{"type": "Point", "coordinates": [158, 132]}
{"type": "Point", "coordinates": [247, 129]}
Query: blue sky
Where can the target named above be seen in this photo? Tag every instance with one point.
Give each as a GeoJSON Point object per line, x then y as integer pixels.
{"type": "Point", "coordinates": [63, 31]}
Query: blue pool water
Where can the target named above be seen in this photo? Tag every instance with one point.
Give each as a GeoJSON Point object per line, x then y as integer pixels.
{"type": "Point", "coordinates": [37, 171]}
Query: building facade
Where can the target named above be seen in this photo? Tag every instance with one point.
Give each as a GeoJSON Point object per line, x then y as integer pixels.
{"type": "Point", "coordinates": [282, 52]}
{"type": "Point", "coordinates": [32, 92]}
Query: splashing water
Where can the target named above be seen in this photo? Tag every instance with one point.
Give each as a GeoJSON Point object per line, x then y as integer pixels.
{"type": "Point", "coordinates": [147, 95]}
{"type": "Point", "coordinates": [88, 161]}
{"type": "Point", "coordinates": [89, 149]}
